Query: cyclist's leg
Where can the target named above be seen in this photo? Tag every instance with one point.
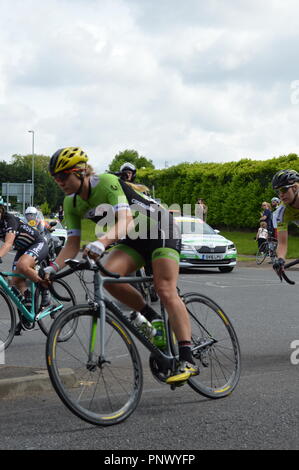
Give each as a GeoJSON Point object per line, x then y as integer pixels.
{"type": "Point", "coordinates": [123, 260]}
{"type": "Point", "coordinates": [166, 270]}
{"type": "Point", "coordinates": [27, 262]}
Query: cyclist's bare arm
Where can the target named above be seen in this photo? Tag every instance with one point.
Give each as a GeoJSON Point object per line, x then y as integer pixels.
{"type": "Point", "coordinates": [70, 250]}
{"type": "Point", "coordinates": [8, 244]}
{"type": "Point", "coordinates": [282, 246]}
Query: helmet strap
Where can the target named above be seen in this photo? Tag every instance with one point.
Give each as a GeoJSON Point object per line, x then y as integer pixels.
{"type": "Point", "coordinates": [81, 176]}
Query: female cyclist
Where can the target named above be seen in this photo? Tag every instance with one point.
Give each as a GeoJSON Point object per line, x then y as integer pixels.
{"type": "Point", "coordinates": [31, 249]}
{"type": "Point", "coordinates": [156, 239]}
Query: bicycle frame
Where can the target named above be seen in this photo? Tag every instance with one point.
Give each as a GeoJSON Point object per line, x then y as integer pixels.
{"type": "Point", "coordinates": [166, 357]}
{"type": "Point", "coordinates": [29, 315]}
{"type": "Point", "coordinates": [101, 301]}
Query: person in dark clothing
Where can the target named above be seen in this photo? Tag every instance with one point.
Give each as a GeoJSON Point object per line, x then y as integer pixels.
{"type": "Point", "coordinates": [267, 217]}
{"type": "Point", "coordinates": [31, 249]}
{"type": "Point", "coordinates": [60, 213]}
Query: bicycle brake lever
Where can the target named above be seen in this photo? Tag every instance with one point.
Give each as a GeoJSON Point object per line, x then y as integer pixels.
{"type": "Point", "coordinates": [77, 265]}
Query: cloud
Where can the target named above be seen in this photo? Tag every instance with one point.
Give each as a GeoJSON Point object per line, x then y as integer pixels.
{"type": "Point", "coordinates": [177, 81]}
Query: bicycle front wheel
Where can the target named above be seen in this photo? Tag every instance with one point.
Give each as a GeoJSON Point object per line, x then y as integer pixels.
{"type": "Point", "coordinates": [64, 297]}
{"type": "Point", "coordinates": [7, 320]}
{"type": "Point", "coordinates": [261, 253]}
{"type": "Point", "coordinates": [215, 348]}
{"type": "Point", "coordinates": [100, 390]}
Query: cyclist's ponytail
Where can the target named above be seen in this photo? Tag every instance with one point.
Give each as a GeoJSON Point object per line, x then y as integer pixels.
{"type": "Point", "coordinates": [141, 188]}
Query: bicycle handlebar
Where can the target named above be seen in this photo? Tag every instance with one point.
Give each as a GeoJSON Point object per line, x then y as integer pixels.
{"type": "Point", "coordinates": [283, 274]}
{"type": "Point", "coordinates": [84, 264]}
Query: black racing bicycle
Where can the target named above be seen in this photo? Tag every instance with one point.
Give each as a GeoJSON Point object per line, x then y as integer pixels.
{"type": "Point", "coordinates": [266, 249]}
{"type": "Point", "coordinates": [97, 372]}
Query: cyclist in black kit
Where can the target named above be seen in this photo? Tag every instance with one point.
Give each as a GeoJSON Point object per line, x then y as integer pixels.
{"type": "Point", "coordinates": [31, 249]}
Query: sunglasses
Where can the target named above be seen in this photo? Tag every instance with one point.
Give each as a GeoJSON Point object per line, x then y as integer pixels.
{"type": "Point", "coordinates": [284, 189]}
{"type": "Point", "coordinates": [63, 175]}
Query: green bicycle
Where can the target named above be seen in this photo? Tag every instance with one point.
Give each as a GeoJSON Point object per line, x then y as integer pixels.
{"type": "Point", "coordinates": [62, 296]}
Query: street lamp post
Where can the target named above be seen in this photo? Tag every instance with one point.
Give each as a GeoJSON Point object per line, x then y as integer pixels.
{"type": "Point", "coordinates": [32, 177]}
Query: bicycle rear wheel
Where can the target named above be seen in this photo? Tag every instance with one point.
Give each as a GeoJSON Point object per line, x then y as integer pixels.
{"type": "Point", "coordinates": [215, 348]}
{"type": "Point", "coordinates": [261, 253]}
{"type": "Point", "coordinates": [65, 296]}
{"type": "Point", "coordinates": [7, 320]}
{"type": "Point", "coordinates": [101, 391]}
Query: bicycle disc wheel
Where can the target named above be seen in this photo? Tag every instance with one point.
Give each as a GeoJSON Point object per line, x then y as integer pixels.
{"type": "Point", "coordinates": [7, 321]}
{"type": "Point", "coordinates": [261, 253]}
{"type": "Point", "coordinates": [101, 391]}
{"type": "Point", "coordinates": [215, 348]}
{"type": "Point", "coordinates": [66, 297]}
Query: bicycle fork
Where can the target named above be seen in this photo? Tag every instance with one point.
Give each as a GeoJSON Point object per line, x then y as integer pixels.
{"type": "Point", "coordinates": [99, 305]}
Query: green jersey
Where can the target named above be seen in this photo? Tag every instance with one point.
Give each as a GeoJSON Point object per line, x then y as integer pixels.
{"type": "Point", "coordinates": [105, 190]}
{"type": "Point", "coordinates": [155, 233]}
{"type": "Point", "coordinates": [285, 215]}
{"type": "Point", "coordinates": [108, 196]}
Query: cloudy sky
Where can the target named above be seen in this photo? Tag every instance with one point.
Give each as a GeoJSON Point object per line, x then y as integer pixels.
{"type": "Point", "coordinates": [192, 80]}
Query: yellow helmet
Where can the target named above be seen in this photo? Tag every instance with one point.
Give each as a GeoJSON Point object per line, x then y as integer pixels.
{"type": "Point", "coordinates": [66, 158]}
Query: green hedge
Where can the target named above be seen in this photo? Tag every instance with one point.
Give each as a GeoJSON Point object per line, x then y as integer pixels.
{"type": "Point", "coordinates": [233, 191]}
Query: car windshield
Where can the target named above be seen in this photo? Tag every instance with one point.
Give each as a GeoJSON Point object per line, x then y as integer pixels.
{"type": "Point", "coordinates": [195, 227]}
{"type": "Point", "coordinates": [58, 225]}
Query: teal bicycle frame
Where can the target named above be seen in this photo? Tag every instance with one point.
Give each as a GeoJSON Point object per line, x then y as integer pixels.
{"type": "Point", "coordinates": [29, 315]}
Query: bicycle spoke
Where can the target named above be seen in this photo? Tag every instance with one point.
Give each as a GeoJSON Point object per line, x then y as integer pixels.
{"type": "Point", "coordinates": [111, 389]}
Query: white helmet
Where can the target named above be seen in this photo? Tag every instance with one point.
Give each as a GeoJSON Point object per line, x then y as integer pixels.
{"type": "Point", "coordinates": [275, 199]}
{"type": "Point", "coordinates": [128, 166]}
{"type": "Point", "coordinates": [31, 210]}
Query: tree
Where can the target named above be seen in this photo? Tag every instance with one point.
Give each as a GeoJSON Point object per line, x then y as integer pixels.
{"type": "Point", "coordinates": [20, 171]}
{"type": "Point", "coordinates": [131, 156]}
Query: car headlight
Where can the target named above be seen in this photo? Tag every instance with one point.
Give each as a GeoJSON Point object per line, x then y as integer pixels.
{"type": "Point", "coordinates": [231, 247]}
{"type": "Point", "coordinates": [187, 248]}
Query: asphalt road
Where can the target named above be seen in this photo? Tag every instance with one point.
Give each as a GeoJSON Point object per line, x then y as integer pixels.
{"type": "Point", "coordinates": [262, 413]}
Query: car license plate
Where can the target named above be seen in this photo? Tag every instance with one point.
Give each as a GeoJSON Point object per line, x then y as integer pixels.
{"type": "Point", "coordinates": [212, 257]}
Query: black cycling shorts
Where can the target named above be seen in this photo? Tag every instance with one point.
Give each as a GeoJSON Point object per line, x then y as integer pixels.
{"type": "Point", "coordinates": [38, 251]}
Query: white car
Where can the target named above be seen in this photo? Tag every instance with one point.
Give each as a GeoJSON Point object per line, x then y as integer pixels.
{"type": "Point", "coordinates": [203, 247]}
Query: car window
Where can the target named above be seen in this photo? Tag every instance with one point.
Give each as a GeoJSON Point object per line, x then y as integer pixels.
{"type": "Point", "coordinates": [58, 225]}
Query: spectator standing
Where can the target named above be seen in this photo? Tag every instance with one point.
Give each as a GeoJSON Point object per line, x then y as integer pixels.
{"type": "Point", "coordinates": [275, 202]}
{"type": "Point", "coordinates": [60, 214]}
{"type": "Point", "coordinates": [267, 217]}
{"type": "Point", "coordinates": [201, 210]}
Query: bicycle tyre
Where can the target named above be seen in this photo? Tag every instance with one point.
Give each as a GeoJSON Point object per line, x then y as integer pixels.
{"type": "Point", "coordinates": [8, 320]}
{"type": "Point", "coordinates": [219, 363]}
{"type": "Point", "coordinates": [67, 297]}
{"type": "Point", "coordinates": [102, 394]}
{"type": "Point", "coordinates": [261, 254]}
